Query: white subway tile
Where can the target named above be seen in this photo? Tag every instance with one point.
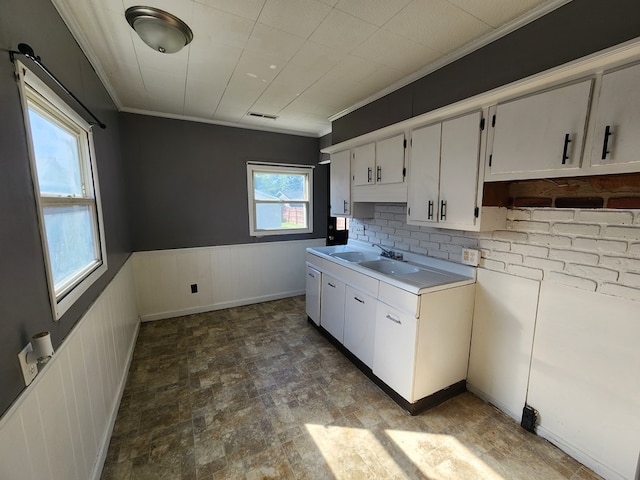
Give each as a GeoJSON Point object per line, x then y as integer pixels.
{"type": "Point", "coordinates": [521, 271]}
{"type": "Point", "coordinates": [550, 240]}
{"type": "Point", "coordinates": [630, 233]}
{"type": "Point", "coordinates": [551, 215]}
{"type": "Point", "coordinates": [605, 216]}
{"type": "Point", "coordinates": [529, 250]}
{"type": "Point", "coordinates": [620, 291]}
{"type": "Point", "coordinates": [573, 256]}
{"type": "Point", "coordinates": [571, 281]}
{"type": "Point", "coordinates": [576, 229]}
{"type": "Point", "coordinates": [598, 274]}
{"type": "Point", "coordinates": [597, 245]}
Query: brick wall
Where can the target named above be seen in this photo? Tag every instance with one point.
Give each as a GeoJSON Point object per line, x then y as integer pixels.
{"type": "Point", "coordinates": [592, 249]}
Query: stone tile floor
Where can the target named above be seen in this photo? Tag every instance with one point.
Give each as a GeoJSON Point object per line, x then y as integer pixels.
{"type": "Point", "coordinates": [256, 392]}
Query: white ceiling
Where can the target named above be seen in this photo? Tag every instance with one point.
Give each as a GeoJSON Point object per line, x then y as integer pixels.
{"type": "Point", "coordinates": [302, 60]}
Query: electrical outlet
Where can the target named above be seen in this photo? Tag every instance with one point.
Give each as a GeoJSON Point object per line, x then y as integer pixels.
{"type": "Point", "coordinates": [470, 257]}
{"type": "Point", "coordinates": [29, 370]}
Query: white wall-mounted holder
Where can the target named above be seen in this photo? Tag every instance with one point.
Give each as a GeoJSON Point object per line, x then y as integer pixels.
{"type": "Point", "coordinates": [35, 355]}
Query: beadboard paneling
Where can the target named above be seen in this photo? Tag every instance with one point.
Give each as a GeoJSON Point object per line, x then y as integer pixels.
{"type": "Point", "coordinates": [59, 428]}
{"type": "Point", "coordinates": [227, 276]}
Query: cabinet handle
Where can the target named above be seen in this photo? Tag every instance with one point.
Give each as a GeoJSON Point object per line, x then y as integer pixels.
{"type": "Point", "coordinates": [369, 175]}
{"type": "Point", "coordinates": [605, 145]}
{"type": "Point", "coordinates": [567, 141]}
{"type": "Point", "coordinates": [312, 275]}
{"type": "Point", "coordinates": [357, 299]}
{"type": "Point", "coordinates": [378, 173]}
{"type": "Point", "coordinates": [430, 210]}
{"type": "Point", "coordinates": [345, 206]}
{"type": "Point", "coordinates": [331, 285]}
{"type": "Point", "coordinates": [393, 319]}
{"type": "Point", "coordinates": [443, 210]}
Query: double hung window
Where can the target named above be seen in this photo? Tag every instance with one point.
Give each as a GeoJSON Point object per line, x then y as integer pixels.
{"type": "Point", "coordinates": [66, 190]}
{"type": "Point", "coordinates": [279, 199]}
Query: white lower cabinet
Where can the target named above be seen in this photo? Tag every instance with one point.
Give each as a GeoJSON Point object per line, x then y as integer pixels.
{"type": "Point", "coordinates": [312, 298]}
{"type": "Point", "coordinates": [332, 306]}
{"type": "Point", "coordinates": [395, 349]}
{"type": "Point", "coordinates": [359, 324]}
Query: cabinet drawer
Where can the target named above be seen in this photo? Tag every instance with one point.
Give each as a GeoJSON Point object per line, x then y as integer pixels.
{"type": "Point", "coordinates": [313, 261]}
{"type": "Point", "coordinates": [362, 282]}
{"type": "Point", "coordinates": [400, 299]}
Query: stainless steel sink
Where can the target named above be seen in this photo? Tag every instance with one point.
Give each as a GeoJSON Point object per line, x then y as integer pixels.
{"type": "Point", "coordinates": [355, 256]}
{"type": "Point", "coordinates": [390, 267]}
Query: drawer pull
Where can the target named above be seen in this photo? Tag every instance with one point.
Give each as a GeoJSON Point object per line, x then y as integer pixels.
{"type": "Point", "coordinates": [369, 175]}
{"type": "Point", "coordinates": [430, 210]}
{"type": "Point", "coordinates": [605, 145]}
{"type": "Point", "coordinates": [379, 174]}
{"type": "Point", "coordinates": [567, 141]}
{"type": "Point", "coordinates": [358, 300]}
{"type": "Point", "coordinates": [443, 210]}
{"type": "Point", "coordinates": [394, 320]}
{"type": "Point", "coordinates": [331, 285]}
{"type": "Point", "coordinates": [312, 275]}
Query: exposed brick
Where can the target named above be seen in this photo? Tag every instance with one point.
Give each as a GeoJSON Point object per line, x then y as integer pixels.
{"type": "Point", "coordinates": [623, 202]}
{"type": "Point", "coordinates": [505, 257]}
{"type": "Point", "coordinates": [494, 245]}
{"type": "Point", "coordinates": [630, 233]}
{"type": "Point", "coordinates": [395, 223]}
{"type": "Point", "coordinates": [550, 240]}
{"type": "Point", "coordinates": [620, 291]}
{"type": "Point", "coordinates": [439, 254]}
{"type": "Point", "coordinates": [544, 263]}
{"type": "Point", "coordinates": [612, 246]}
{"type": "Point", "coordinates": [574, 257]}
{"type": "Point", "coordinates": [418, 250]}
{"type": "Point", "coordinates": [403, 233]}
{"type": "Point", "coordinates": [521, 271]}
{"type": "Point", "coordinates": [385, 216]}
{"type": "Point", "coordinates": [579, 202]}
{"type": "Point", "coordinates": [532, 250]}
{"type": "Point", "coordinates": [388, 230]}
{"type": "Point", "coordinates": [532, 202]}
{"type": "Point", "coordinates": [621, 263]}
{"type": "Point", "coordinates": [429, 245]}
{"type": "Point", "coordinates": [572, 281]}
{"type": "Point", "coordinates": [510, 236]}
{"type": "Point", "coordinates": [421, 235]}
{"type": "Point", "coordinates": [630, 279]}
{"type": "Point", "coordinates": [492, 264]}
{"type": "Point", "coordinates": [465, 242]}
{"type": "Point", "coordinates": [604, 216]}
{"type": "Point", "coordinates": [552, 215]}
{"type": "Point", "coordinates": [598, 274]}
{"type": "Point", "coordinates": [576, 229]}
{"type": "Point", "coordinates": [396, 238]}
{"type": "Point", "coordinates": [457, 249]}
{"type": "Point", "coordinates": [518, 214]}
{"type": "Point", "coordinates": [436, 237]}
{"type": "Point", "coordinates": [634, 249]}
{"type": "Point", "coordinates": [526, 226]}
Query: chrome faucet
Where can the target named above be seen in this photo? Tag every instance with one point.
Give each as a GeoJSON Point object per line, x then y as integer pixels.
{"type": "Point", "coordinates": [388, 253]}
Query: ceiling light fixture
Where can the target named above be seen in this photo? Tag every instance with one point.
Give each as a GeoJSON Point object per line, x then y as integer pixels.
{"type": "Point", "coordinates": [160, 30]}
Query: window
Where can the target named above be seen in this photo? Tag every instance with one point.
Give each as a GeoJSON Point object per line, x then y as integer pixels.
{"type": "Point", "coordinates": [65, 184]}
{"type": "Point", "coordinates": [279, 199]}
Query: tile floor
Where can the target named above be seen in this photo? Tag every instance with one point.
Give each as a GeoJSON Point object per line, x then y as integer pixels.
{"type": "Point", "coordinates": [256, 392]}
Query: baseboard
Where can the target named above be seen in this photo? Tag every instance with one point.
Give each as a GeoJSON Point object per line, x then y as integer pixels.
{"type": "Point", "coordinates": [106, 439]}
{"type": "Point", "coordinates": [219, 306]}
{"type": "Point", "coordinates": [517, 416]}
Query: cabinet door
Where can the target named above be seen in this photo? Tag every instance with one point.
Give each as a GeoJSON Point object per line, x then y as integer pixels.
{"type": "Point", "coordinates": [541, 133]}
{"type": "Point", "coordinates": [390, 160]}
{"type": "Point", "coordinates": [332, 306]}
{"type": "Point", "coordinates": [359, 324]}
{"type": "Point", "coordinates": [340, 185]}
{"type": "Point", "coordinates": [363, 164]}
{"type": "Point", "coordinates": [395, 348]}
{"type": "Point", "coordinates": [312, 297]}
{"type": "Point", "coordinates": [424, 174]}
{"type": "Point", "coordinates": [459, 161]}
{"type": "Point", "coordinates": [615, 137]}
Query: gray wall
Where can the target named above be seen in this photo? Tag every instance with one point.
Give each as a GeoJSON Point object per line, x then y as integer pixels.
{"type": "Point", "coordinates": [24, 300]}
{"type": "Point", "coordinates": [187, 181]}
{"type": "Point", "coordinates": [572, 31]}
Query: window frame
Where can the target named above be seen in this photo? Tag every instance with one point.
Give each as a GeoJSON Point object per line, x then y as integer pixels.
{"type": "Point", "coordinates": [285, 169]}
{"type": "Point", "coordinates": [34, 92]}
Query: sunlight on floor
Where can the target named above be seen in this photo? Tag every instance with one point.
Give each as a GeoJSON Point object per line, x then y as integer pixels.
{"type": "Point", "coordinates": [360, 453]}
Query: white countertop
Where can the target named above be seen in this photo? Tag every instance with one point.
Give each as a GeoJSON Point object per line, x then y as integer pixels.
{"type": "Point", "coordinates": [433, 273]}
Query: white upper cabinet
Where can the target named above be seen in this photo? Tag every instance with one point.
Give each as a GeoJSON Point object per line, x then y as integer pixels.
{"type": "Point", "coordinates": [444, 185]}
{"type": "Point", "coordinates": [340, 187]}
{"type": "Point", "coordinates": [363, 164]}
{"type": "Point", "coordinates": [390, 160]}
{"type": "Point", "coordinates": [617, 121]}
{"type": "Point", "coordinates": [540, 135]}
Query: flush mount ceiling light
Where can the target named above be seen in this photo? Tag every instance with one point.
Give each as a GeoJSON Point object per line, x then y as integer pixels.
{"type": "Point", "coordinates": [160, 30]}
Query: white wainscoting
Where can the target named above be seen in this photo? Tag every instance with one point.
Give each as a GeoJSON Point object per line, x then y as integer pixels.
{"type": "Point", "coordinates": [60, 426]}
{"type": "Point", "coordinates": [226, 276]}
{"type": "Point", "coordinates": [585, 377]}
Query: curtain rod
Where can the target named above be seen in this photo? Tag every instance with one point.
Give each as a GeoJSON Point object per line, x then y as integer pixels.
{"type": "Point", "coordinates": [27, 51]}
{"type": "Point", "coordinates": [289, 165]}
